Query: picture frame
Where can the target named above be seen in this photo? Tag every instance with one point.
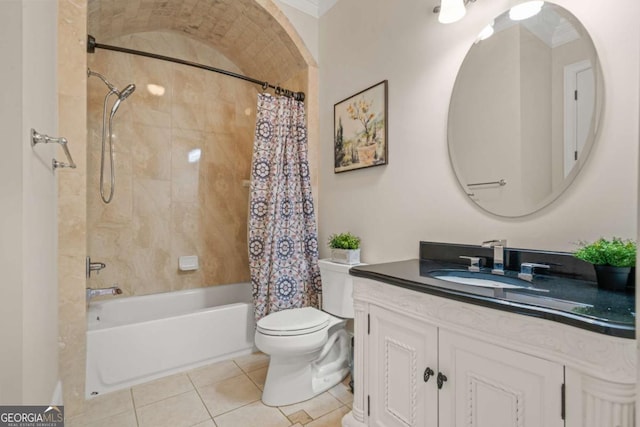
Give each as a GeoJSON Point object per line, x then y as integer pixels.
{"type": "Point", "coordinates": [360, 129]}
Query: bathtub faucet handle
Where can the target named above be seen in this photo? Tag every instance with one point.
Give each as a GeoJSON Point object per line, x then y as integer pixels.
{"type": "Point", "coordinates": [93, 266]}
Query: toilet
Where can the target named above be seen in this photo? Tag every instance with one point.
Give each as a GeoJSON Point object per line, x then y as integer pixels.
{"type": "Point", "coordinates": [310, 349]}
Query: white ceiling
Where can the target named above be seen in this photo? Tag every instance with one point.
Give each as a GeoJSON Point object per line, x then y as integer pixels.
{"type": "Point", "coordinates": [315, 8]}
{"type": "Point", "coordinates": [549, 26]}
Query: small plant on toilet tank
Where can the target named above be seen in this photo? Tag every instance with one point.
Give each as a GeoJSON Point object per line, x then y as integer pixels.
{"type": "Point", "coordinates": [345, 248]}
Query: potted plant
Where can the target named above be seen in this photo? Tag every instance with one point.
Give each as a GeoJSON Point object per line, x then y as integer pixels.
{"type": "Point", "coordinates": [345, 248]}
{"type": "Point", "coordinates": [612, 259]}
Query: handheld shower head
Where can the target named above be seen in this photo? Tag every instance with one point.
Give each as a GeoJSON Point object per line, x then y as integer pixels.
{"type": "Point", "coordinates": [121, 97]}
{"type": "Point", "coordinates": [127, 91]}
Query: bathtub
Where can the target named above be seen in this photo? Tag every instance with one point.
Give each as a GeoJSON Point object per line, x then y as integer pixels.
{"type": "Point", "coordinates": [133, 340]}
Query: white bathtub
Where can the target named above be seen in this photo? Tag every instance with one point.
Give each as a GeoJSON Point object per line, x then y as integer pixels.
{"type": "Point", "coordinates": [137, 339]}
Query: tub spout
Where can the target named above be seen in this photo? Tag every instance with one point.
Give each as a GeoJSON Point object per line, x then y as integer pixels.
{"type": "Point", "coordinates": [92, 293]}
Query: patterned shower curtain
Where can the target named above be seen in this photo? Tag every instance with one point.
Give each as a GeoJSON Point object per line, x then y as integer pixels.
{"type": "Point", "coordinates": [283, 238]}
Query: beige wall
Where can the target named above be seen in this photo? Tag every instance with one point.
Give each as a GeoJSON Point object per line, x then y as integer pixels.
{"type": "Point", "coordinates": [488, 88]}
{"type": "Point", "coordinates": [535, 118]}
{"type": "Point", "coordinates": [563, 55]}
{"type": "Point", "coordinates": [502, 104]}
{"type": "Point", "coordinates": [416, 196]}
{"type": "Point", "coordinates": [165, 206]}
{"type": "Point", "coordinates": [72, 212]}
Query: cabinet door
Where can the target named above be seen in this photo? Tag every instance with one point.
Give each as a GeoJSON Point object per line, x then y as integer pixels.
{"type": "Point", "coordinates": [401, 349]}
{"type": "Point", "coordinates": [490, 386]}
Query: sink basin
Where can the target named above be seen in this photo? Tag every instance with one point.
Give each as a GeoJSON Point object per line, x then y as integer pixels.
{"type": "Point", "coordinates": [500, 286]}
{"type": "Point", "coordinates": [473, 281]}
{"type": "Point", "coordinates": [484, 280]}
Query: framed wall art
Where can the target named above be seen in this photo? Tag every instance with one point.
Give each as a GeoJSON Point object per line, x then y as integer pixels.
{"type": "Point", "coordinates": [360, 130]}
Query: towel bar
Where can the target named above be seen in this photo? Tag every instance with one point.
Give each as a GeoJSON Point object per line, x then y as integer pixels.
{"type": "Point", "coordinates": [38, 137]}
{"type": "Point", "coordinates": [501, 183]}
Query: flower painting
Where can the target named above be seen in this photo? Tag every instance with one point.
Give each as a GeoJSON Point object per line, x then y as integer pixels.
{"type": "Point", "coordinates": [360, 129]}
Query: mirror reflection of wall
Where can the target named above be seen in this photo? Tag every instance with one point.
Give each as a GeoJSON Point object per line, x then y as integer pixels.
{"type": "Point", "coordinates": [515, 115]}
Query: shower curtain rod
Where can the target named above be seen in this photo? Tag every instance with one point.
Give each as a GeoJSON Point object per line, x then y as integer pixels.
{"type": "Point", "coordinates": [92, 45]}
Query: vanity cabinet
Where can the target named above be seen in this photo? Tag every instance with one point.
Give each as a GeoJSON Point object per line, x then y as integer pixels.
{"type": "Point", "coordinates": [502, 369]}
{"type": "Point", "coordinates": [491, 386]}
{"type": "Point", "coordinates": [403, 353]}
{"type": "Point", "coordinates": [422, 375]}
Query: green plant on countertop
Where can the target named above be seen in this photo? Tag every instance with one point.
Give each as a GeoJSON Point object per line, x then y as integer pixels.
{"type": "Point", "coordinates": [615, 252]}
{"type": "Point", "coordinates": [344, 241]}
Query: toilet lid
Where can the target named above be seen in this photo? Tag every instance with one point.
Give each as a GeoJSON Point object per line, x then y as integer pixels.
{"type": "Point", "coordinates": [295, 321]}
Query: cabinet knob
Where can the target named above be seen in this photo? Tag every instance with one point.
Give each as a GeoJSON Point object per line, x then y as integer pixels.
{"type": "Point", "coordinates": [441, 379]}
{"type": "Point", "coordinates": [427, 374]}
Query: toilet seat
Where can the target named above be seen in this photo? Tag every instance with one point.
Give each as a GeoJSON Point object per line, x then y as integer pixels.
{"type": "Point", "coordinates": [295, 321]}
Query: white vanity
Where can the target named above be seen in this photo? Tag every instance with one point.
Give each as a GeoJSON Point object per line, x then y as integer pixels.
{"type": "Point", "coordinates": [423, 359]}
{"type": "Point", "coordinates": [555, 351]}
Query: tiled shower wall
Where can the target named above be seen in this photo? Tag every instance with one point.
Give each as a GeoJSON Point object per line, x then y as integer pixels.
{"type": "Point", "coordinates": [183, 145]}
{"type": "Point", "coordinates": [72, 242]}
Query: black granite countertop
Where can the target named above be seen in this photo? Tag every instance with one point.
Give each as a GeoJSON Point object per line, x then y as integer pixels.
{"type": "Point", "coordinates": [567, 299]}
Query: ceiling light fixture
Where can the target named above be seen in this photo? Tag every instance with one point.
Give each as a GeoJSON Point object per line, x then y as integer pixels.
{"type": "Point", "coordinates": [525, 10]}
{"type": "Point", "coordinates": [451, 11]}
{"type": "Point", "coordinates": [486, 32]}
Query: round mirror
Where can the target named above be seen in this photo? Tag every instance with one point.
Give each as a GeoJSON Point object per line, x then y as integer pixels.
{"type": "Point", "coordinates": [524, 110]}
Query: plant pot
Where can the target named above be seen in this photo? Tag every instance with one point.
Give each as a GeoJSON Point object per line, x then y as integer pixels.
{"type": "Point", "coordinates": [631, 283]}
{"type": "Point", "coordinates": [345, 256]}
{"type": "Point", "coordinates": [612, 278]}
{"type": "Point", "coordinates": [366, 154]}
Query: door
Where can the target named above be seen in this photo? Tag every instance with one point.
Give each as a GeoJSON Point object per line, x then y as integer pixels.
{"type": "Point", "coordinates": [490, 386]}
{"type": "Point", "coordinates": [579, 95]}
{"type": "Point", "coordinates": [402, 355]}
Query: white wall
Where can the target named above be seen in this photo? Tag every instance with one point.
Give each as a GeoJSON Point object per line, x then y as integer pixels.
{"type": "Point", "coordinates": [638, 263]}
{"type": "Point", "coordinates": [11, 205]}
{"type": "Point", "coordinates": [28, 292]}
{"type": "Point", "coordinates": [305, 24]}
{"type": "Point", "coordinates": [416, 196]}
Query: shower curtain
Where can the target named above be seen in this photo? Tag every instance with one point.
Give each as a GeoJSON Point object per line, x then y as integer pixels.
{"type": "Point", "coordinates": [283, 238]}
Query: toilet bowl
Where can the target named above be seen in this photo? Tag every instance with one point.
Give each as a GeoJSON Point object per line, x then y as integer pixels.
{"type": "Point", "coordinates": [309, 349]}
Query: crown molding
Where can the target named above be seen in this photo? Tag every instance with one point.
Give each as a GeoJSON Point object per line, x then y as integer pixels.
{"type": "Point", "coordinates": [315, 8]}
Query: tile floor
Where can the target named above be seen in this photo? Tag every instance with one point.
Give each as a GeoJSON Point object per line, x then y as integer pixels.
{"type": "Point", "coordinates": [225, 394]}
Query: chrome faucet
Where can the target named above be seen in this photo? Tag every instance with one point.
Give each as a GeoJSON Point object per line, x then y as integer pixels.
{"type": "Point", "coordinates": [498, 255]}
{"type": "Point", "coordinates": [92, 293]}
{"type": "Point", "coordinates": [475, 263]}
{"type": "Point", "coordinates": [526, 270]}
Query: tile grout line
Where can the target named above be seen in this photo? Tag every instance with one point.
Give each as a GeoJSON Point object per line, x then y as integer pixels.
{"type": "Point", "coordinates": [234, 409]}
{"type": "Point", "coordinates": [86, 413]}
{"type": "Point", "coordinates": [255, 383]}
{"type": "Point", "coordinates": [246, 374]}
{"type": "Point", "coordinates": [163, 399]}
{"type": "Point", "coordinates": [285, 415]}
{"type": "Point", "coordinates": [135, 409]}
{"type": "Point", "coordinates": [202, 400]}
{"type": "Point", "coordinates": [196, 389]}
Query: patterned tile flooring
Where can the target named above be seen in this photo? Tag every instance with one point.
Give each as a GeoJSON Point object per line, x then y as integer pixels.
{"type": "Point", "coordinates": [224, 394]}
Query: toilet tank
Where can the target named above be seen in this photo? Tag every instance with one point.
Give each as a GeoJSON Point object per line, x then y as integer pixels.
{"type": "Point", "coordinates": [337, 288]}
